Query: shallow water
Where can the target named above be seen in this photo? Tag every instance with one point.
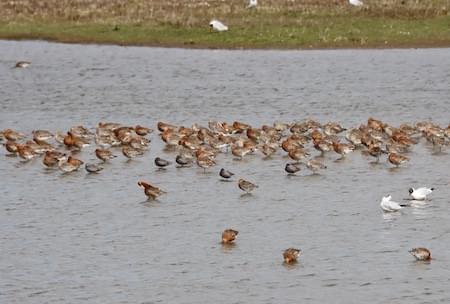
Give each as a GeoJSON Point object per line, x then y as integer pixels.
{"type": "Point", "coordinates": [93, 238]}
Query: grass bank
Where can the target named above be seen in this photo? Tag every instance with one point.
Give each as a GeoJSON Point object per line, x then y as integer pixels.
{"type": "Point", "coordinates": [274, 24]}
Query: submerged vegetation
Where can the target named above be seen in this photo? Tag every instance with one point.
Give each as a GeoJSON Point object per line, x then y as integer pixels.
{"type": "Point", "coordinates": [273, 24]}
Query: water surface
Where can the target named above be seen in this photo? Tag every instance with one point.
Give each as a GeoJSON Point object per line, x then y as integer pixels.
{"type": "Point", "coordinates": [93, 238]}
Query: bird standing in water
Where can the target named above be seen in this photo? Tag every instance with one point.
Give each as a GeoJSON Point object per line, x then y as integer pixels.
{"type": "Point", "coordinates": [246, 186]}
{"type": "Point", "coordinates": [22, 64]}
{"type": "Point", "coordinates": [161, 163]}
{"type": "Point", "coordinates": [397, 159]}
{"type": "Point", "coordinates": [291, 168]}
{"type": "Point", "coordinates": [152, 192]}
{"type": "Point", "coordinates": [229, 235]}
{"type": "Point", "coordinates": [421, 193]}
{"type": "Point", "coordinates": [421, 253]}
{"type": "Point", "coordinates": [225, 173]}
{"type": "Point", "coordinates": [290, 255]}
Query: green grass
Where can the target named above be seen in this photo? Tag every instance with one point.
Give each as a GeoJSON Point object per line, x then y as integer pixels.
{"type": "Point", "coordinates": [282, 25]}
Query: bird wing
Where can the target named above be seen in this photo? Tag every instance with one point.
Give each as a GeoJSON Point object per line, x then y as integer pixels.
{"type": "Point", "coordinates": [423, 191]}
{"type": "Point", "coordinates": [385, 206]}
{"type": "Point", "coordinates": [394, 206]}
{"type": "Point", "coordinates": [389, 206]}
{"type": "Point", "coordinates": [222, 27]}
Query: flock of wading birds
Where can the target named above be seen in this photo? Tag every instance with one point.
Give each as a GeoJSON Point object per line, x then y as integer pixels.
{"type": "Point", "coordinates": [202, 144]}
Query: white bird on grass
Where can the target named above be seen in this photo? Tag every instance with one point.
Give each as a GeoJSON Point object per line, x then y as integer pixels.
{"type": "Point", "coordinates": [389, 206]}
{"type": "Point", "coordinates": [218, 26]}
{"type": "Point", "coordinates": [355, 2]}
{"type": "Point", "coordinates": [421, 193]}
{"type": "Point", "coordinates": [252, 3]}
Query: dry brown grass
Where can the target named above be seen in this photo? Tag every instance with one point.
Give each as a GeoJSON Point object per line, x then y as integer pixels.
{"type": "Point", "coordinates": [197, 12]}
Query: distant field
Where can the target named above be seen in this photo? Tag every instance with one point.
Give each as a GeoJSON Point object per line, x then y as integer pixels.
{"type": "Point", "coordinates": [274, 24]}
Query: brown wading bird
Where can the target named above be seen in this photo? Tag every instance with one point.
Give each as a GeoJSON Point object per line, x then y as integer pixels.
{"type": "Point", "coordinates": [40, 146]}
{"type": "Point", "coordinates": [315, 165]}
{"type": "Point", "coordinates": [142, 131]}
{"type": "Point", "coordinates": [322, 146]}
{"type": "Point", "coordinates": [268, 150]}
{"type": "Point", "coordinates": [354, 136]}
{"type": "Point", "coordinates": [11, 146]}
{"type": "Point", "coordinates": [240, 152]}
{"type": "Point", "coordinates": [421, 254]}
{"type": "Point", "coordinates": [397, 159]}
{"type": "Point", "coordinates": [229, 235]}
{"type": "Point", "coordinates": [104, 154]}
{"type": "Point", "coordinates": [22, 64]}
{"type": "Point", "coordinates": [375, 151]}
{"type": "Point", "coordinates": [124, 134]}
{"type": "Point", "coordinates": [246, 186]}
{"type": "Point", "coordinates": [25, 152]}
{"type": "Point", "coordinates": [290, 255]}
{"type": "Point", "coordinates": [69, 165]}
{"type": "Point", "coordinates": [374, 124]}
{"type": "Point", "coordinates": [52, 158]}
{"type": "Point", "coordinates": [152, 192]}
{"type": "Point", "coordinates": [343, 149]}
{"type": "Point", "coordinates": [189, 143]}
{"type": "Point", "coordinates": [42, 135]}
{"type": "Point", "coordinates": [170, 137]}
{"type": "Point", "coordinates": [204, 161]}
{"type": "Point", "coordinates": [332, 128]}
{"type": "Point", "coordinates": [162, 126]}
{"type": "Point", "coordinates": [292, 142]}
{"type": "Point", "coordinates": [239, 127]}
{"type": "Point", "coordinates": [316, 135]}
{"type": "Point", "coordinates": [59, 137]}
{"type": "Point", "coordinates": [130, 152]}
{"type": "Point", "coordinates": [297, 154]}
{"type": "Point", "coordinates": [74, 141]}
{"type": "Point", "coordinates": [12, 135]}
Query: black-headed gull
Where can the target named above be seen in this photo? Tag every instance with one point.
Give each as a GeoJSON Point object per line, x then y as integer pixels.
{"type": "Point", "coordinates": [421, 193]}
{"type": "Point", "coordinates": [218, 26]}
{"type": "Point", "coordinates": [390, 206]}
{"type": "Point", "coordinates": [355, 2]}
{"type": "Point", "coordinates": [252, 3]}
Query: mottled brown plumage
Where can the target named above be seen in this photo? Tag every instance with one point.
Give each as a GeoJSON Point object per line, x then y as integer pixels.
{"type": "Point", "coordinates": [229, 235]}
{"type": "Point", "coordinates": [246, 186]}
{"type": "Point", "coordinates": [421, 253]}
{"type": "Point", "coordinates": [290, 255]}
{"type": "Point", "coordinates": [397, 159]}
{"type": "Point", "coordinates": [150, 191]}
